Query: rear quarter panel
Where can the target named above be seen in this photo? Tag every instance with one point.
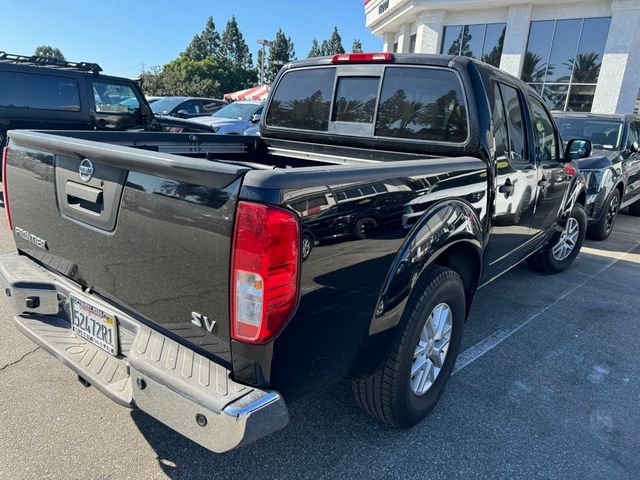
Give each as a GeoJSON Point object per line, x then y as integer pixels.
{"type": "Point", "coordinates": [344, 278]}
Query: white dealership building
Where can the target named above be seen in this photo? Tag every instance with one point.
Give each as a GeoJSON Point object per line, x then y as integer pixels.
{"type": "Point", "coordinates": [580, 55]}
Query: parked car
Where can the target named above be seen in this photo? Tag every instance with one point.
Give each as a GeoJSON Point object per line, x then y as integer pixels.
{"type": "Point", "coordinates": [235, 118]}
{"type": "Point", "coordinates": [254, 130]}
{"type": "Point", "coordinates": [187, 107]}
{"type": "Point", "coordinates": [171, 278]}
{"type": "Point", "coordinates": [612, 172]}
{"type": "Point", "coordinates": [44, 93]}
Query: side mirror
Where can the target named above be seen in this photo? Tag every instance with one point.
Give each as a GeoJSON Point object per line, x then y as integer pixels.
{"type": "Point", "coordinates": [255, 118]}
{"type": "Point", "coordinates": [577, 148]}
{"type": "Point", "coordinates": [182, 113]}
{"type": "Point", "coordinates": [635, 148]}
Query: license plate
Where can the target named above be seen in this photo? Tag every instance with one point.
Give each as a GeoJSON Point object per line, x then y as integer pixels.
{"type": "Point", "coordinates": [95, 325]}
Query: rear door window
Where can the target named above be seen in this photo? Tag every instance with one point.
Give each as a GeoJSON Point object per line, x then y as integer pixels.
{"type": "Point", "coordinates": [422, 104]}
{"type": "Point", "coordinates": [517, 147]}
{"type": "Point", "coordinates": [115, 98]}
{"type": "Point", "coordinates": [43, 92]}
{"type": "Point", "coordinates": [303, 99]}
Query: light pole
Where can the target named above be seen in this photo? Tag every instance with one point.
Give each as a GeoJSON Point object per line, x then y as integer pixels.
{"type": "Point", "coordinates": [264, 43]}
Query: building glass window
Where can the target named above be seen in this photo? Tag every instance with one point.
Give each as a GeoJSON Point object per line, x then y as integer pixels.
{"type": "Point", "coordinates": [483, 41]}
{"type": "Point", "coordinates": [563, 61]}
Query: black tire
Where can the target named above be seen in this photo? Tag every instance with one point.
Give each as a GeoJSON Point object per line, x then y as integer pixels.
{"type": "Point", "coordinates": [365, 227]}
{"type": "Point", "coordinates": [603, 227]}
{"type": "Point", "coordinates": [387, 394]}
{"type": "Point", "coordinates": [544, 260]}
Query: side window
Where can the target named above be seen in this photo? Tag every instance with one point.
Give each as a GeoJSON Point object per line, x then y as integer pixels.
{"type": "Point", "coordinates": [517, 147]}
{"type": "Point", "coordinates": [500, 135]}
{"type": "Point", "coordinates": [115, 98]}
{"type": "Point", "coordinates": [44, 92]}
{"type": "Point", "coordinates": [544, 133]}
{"type": "Point", "coordinates": [192, 107]}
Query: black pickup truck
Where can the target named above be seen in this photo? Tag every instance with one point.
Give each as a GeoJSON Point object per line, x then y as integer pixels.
{"type": "Point", "coordinates": [166, 269]}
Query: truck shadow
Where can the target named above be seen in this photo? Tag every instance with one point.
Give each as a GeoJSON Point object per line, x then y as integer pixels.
{"type": "Point", "coordinates": [328, 432]}
{"type": "Point", "coordinates": [311, 445]}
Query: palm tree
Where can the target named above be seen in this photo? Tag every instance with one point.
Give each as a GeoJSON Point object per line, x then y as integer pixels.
{"type": "Point", "coordinates": [586, 68]}
{"type": "Point", "coordinates": [532, 70]}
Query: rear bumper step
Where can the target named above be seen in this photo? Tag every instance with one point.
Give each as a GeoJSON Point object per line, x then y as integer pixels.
{"type": "Point", "coordinates": [182, 389]}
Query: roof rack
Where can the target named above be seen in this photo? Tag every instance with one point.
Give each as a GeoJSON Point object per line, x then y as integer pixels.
{"type": "Point", "coordinates": [50, 62]}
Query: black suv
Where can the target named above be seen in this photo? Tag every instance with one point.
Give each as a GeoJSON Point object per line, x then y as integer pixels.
{"type": "Point", "coordinates": [612, 171]}
{"type": "Point", "coordinates": [44, 93]}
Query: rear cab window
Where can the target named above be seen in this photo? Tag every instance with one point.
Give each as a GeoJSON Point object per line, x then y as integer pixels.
{"type": "Point", "coordinates": [40, 92]}
{"type": "Point", "coordinates": [384, 101]}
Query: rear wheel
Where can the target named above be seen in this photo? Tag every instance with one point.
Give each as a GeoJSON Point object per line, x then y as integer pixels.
{"type": "Point", "coordinates": [365, 227]}
{"type": "Point", "coordinates": [564, 248]}
{"type": "Point", "coordinates": [603, 228]}
{"type": "Point", "coordinates": [307, 246]}
{"type": "Point", "coordinates": [413, 377]}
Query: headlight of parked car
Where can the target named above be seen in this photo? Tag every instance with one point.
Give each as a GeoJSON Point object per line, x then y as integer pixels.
{"type": "Point", "coordinates": [594, 180]}
{"type": "Point", "coordinates": [408, 209]}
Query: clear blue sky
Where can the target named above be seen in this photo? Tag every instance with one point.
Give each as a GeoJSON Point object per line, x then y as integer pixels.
{"type": "Point", "coordinates": [122, 35]}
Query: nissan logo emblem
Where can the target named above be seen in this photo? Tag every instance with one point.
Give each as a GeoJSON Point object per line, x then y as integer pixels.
{"type": "Point", "coordinates": [86, 170]}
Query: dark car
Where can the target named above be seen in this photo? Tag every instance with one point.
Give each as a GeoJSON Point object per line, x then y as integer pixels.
{"type": "Point", "coordinates": [187, 107]}
{"type": "Point", "coordinates": [612, 171]}
{"type": "Point", "coordinates": [44, 93]}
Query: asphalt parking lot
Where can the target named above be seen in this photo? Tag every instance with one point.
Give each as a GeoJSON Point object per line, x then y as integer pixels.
{"type": "Point", "coordinates": [547, 386]}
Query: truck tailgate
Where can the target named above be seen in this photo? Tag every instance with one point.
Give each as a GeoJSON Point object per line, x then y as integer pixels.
{"type": "Point", "coordinates": [149, 231]}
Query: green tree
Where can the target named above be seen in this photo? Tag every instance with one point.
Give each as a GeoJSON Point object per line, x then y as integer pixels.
{"type": "Point", "coordinates": [49, 52]}
{"type": "Point", "coordinates": [206, 44]}
{"type": "Point", "coordinates": [233, 46]}
{"type": "Point", "coordinates": [586, 67]}
{"type": "Point", "coordinates": [460, 46]}
{"type": "Point", "coordinates": [493, 57]}
{"type": "Point", "coordinates": [281, 52]}
{"type": "Point", "coordinates": [315, 49]}
{"type": "Point", "coordinates": [324, 48]}
{"type": "Point", "coordinates": [533, 69]}
{"type": "Point", "coordinates": [333, 45]}
{"type": "Point", "coordinates": [357, 46]}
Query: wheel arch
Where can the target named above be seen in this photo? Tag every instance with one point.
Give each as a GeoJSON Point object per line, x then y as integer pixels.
{"type": "Point", "coordinates": [449, 234]}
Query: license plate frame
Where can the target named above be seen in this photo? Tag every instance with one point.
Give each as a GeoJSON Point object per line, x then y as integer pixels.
{"type": "Point", "coordinates": [94, 324]}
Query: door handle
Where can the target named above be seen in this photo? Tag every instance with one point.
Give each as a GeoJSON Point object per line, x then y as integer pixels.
{"type": "Point", "coordinates": [506, 188]}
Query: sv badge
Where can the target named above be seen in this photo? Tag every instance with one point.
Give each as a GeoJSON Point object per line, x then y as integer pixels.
{"type": "Point", "coordinates": [202, 321]}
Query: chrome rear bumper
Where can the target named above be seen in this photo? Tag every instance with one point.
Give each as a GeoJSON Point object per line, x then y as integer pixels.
{"type": "Point", "coordinates": [181, 388]}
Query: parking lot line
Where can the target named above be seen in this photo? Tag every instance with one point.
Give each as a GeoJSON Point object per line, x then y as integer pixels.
{"type": "Point", "coordinates": [484, 346]}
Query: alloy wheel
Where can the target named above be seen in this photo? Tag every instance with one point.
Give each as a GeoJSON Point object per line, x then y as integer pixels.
{"type": "Point", "coordinates": [567, 241]}
{"type": "Point", "coordinates": [611, 214]}
{"type": "Point", "coordinates": [432, 348]}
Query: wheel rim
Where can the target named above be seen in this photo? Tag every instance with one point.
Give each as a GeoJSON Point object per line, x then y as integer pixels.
{"type": "Point", "coordinates": [611, 214]}
{"type": "Point", "coordinates": [567, 241]}
{"type": "Point", "coordinates": [432, 348]}
{"type": "Point", "coordinates": [367, 226]}
{"type": "Point", "coordinates": [306, 247]}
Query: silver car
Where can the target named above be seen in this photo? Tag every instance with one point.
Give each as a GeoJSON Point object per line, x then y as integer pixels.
{"type": "Point", "coordinates": [235, 118]}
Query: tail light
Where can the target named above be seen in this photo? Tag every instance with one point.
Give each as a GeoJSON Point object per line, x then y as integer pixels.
{"type": "Point", "coordinates": [5, 194]}
{"type": "Point", "coordinates": [362, 57]}
{"type": "Point", "coordinates": [264, 271]}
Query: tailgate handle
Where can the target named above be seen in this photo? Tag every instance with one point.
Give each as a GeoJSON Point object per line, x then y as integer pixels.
{"type": "Point", "coordinates": [83, 192]}
{"type": "Point", "coordinates": [85, 198]}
